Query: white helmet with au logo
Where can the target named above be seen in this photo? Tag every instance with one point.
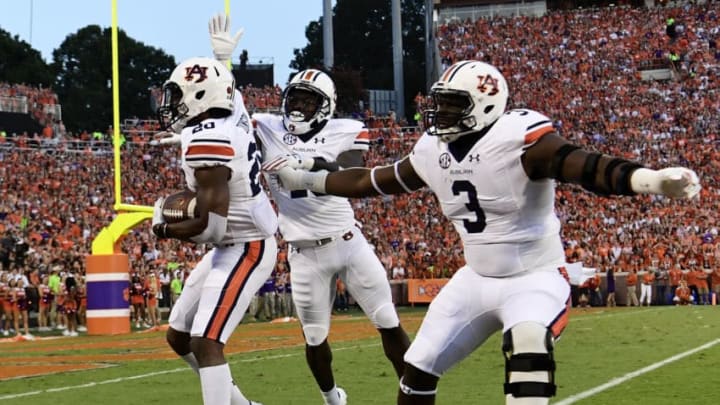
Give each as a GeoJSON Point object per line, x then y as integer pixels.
{"type": "Point", "coordinates": [469, 96]}
{"type": "Point", "coordinates": [308, 101]}
{"type": "Point", "coordinates": [195, 86]}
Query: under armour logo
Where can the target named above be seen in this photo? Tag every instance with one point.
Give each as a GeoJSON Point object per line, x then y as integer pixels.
{"type": "Point", "coordinates": [319, 140]}
{"type": "Point", "coordinates": [475, 158]}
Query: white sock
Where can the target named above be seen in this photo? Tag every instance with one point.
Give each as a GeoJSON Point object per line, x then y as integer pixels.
{"type": "Point", "coordinates": [216, 383]}
{"type": "Point", "coordinates": [237, 396]}
{"type": "Point", "coordinates": [332, 396]}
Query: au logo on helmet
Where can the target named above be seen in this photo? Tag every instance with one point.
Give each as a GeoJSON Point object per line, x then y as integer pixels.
{"type": "Point", "coordinates": [201, 71]}
{"type": "Point", "coordinates": [487, 80]}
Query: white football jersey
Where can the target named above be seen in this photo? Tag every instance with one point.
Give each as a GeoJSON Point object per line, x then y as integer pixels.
{"type": "Point", "coordinates": [305, 215]}
{"type": "Point", "coordinates": [507, 222]}
{"type": "Point", "coordinates": [222, 141]}
{"type": "Point", "coordinates": [240, 115]}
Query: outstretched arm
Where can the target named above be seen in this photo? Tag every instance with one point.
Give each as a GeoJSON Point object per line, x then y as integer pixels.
{"type": "Point", "coordinates": [356, 182]}
{"type": "Point", "coordinates": [347, 159]}
{"type": "Point", "coordinates": [554, 157]}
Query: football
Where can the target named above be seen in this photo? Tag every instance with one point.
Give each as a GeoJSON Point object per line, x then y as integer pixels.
{"type": "Point", "coordinates": [179, 207]}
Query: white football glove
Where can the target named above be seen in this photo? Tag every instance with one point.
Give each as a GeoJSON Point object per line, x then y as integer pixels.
{"type": "Point", "coordinates": [159, 226]}
{"type": "Point", "coordinates": [157, 211]}
{"type": "Point", "coordinates": [165, 138]}
{"type": "Point", "coordinates": [293, 179]}
{"type": "Point", "coordinates": [223, 44]}
{"type": "Point", "coordinates": [293, 161]}
{"type": "Point", "coordinates": [676, 182]}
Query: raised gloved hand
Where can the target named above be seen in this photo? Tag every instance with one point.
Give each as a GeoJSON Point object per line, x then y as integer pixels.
{"type": "Point", "coordinates": [676, 182]}
{"type": "Point", "coordinates": [159, 226]}
{"type": "Point", "coordinates": [223, 43]}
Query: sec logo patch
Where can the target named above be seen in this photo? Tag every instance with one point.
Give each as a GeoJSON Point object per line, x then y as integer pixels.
{"type": "Point", "coordinates": [289, 139]}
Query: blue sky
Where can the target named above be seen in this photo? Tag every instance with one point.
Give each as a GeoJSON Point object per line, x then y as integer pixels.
{"type": "Point", "coordinates": [273, 28]}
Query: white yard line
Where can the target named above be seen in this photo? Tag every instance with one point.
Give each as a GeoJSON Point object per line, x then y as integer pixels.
{"type": "Point", "coordinates": [629, 376]}
{"type": "Point", "coordinates": [156, 373]}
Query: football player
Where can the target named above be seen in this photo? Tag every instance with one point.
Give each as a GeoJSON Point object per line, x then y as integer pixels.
{"type": "Point", "coordinates": [493, 172]}
{"type": "Point", "coordinates": [321, 230]}
{"type": "Point", "coordinates": [221, 164]}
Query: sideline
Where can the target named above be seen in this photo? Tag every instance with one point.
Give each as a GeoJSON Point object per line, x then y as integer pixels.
{"type": "Point", "coordinates": [629, 376]}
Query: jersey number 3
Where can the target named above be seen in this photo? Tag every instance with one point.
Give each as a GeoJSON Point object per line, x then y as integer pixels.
{"type": "Point", "coordinates": [478, 225]}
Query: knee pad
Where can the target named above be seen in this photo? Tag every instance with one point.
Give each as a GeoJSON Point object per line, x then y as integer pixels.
{"type": "Point", "coordinates": [407, 390]}
{"type": "Point", "coordinates": [385, 317]}
{"type": "Point", "coordinates": [529, 363]}
{"type": "Point", "coordinates": [314, 335]}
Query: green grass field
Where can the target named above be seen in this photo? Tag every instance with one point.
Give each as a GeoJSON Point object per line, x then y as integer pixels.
{"type": "Point", "coordinates": [657, 355]}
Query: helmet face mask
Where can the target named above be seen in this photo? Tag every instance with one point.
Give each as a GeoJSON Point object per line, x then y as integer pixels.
{"type": "Point", "coordinates": [469, 97]}
{"type": "Point", "coordinates": [196, 85]}
{"type": "Point", "coordinates": [450, 113]}
{"type": "Point", "coordinates": [308, 101]}
{"type": "Point", "coordinates": [302, 104]}
{"type": "Point", "coordinates": [172, 109]}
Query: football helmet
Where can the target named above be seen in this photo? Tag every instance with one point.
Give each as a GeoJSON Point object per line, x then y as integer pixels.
{"type": "Point", "coordinates": [308, 101]}
{"type": "Point", "coordinates": [195, 86]}
{"type": "Point", "coordinates": [469, 96]}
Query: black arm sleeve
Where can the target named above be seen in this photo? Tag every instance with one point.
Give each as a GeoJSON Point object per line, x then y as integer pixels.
{"type": "Point", "coordinates": [599, 173]}
{"type": "Point", "coordinates": [553, 157]}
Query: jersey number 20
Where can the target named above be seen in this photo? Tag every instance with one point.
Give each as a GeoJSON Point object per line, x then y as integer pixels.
{"type": "Point", "coordinates": [254, 158]}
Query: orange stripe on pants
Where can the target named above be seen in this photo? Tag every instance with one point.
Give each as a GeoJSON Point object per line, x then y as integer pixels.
{"type": "Point", "coordinates": [234, 285]}
{"type": "Point", "coordinates": [559, 324]}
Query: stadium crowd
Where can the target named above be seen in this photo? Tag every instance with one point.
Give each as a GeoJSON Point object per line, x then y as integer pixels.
{"type": "Point", "coordinates": [39, 102]}
{"type": "Point", "coordinates": [578, 67]}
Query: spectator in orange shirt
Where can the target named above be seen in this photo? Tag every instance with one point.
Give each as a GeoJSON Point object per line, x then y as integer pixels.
{"type": "Point", "coordinates": [631, 281]}
{"type": "Point", "coordinates": [596, 299]}
{"type": "Point", "coordinates": [715, 278]}
{"type": "Point", "coordinates": [683, 295]}
{"type": "Point", "coordinates": [675, 275]}
{"type": "Point", "coordinates": [646, 287]}
{"type": "Point", "coordinates": [691, 278]}
{"type": "Point", "coordinates": [702, 286]}
{"type": "Point", "coordinates": [71, 306]}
